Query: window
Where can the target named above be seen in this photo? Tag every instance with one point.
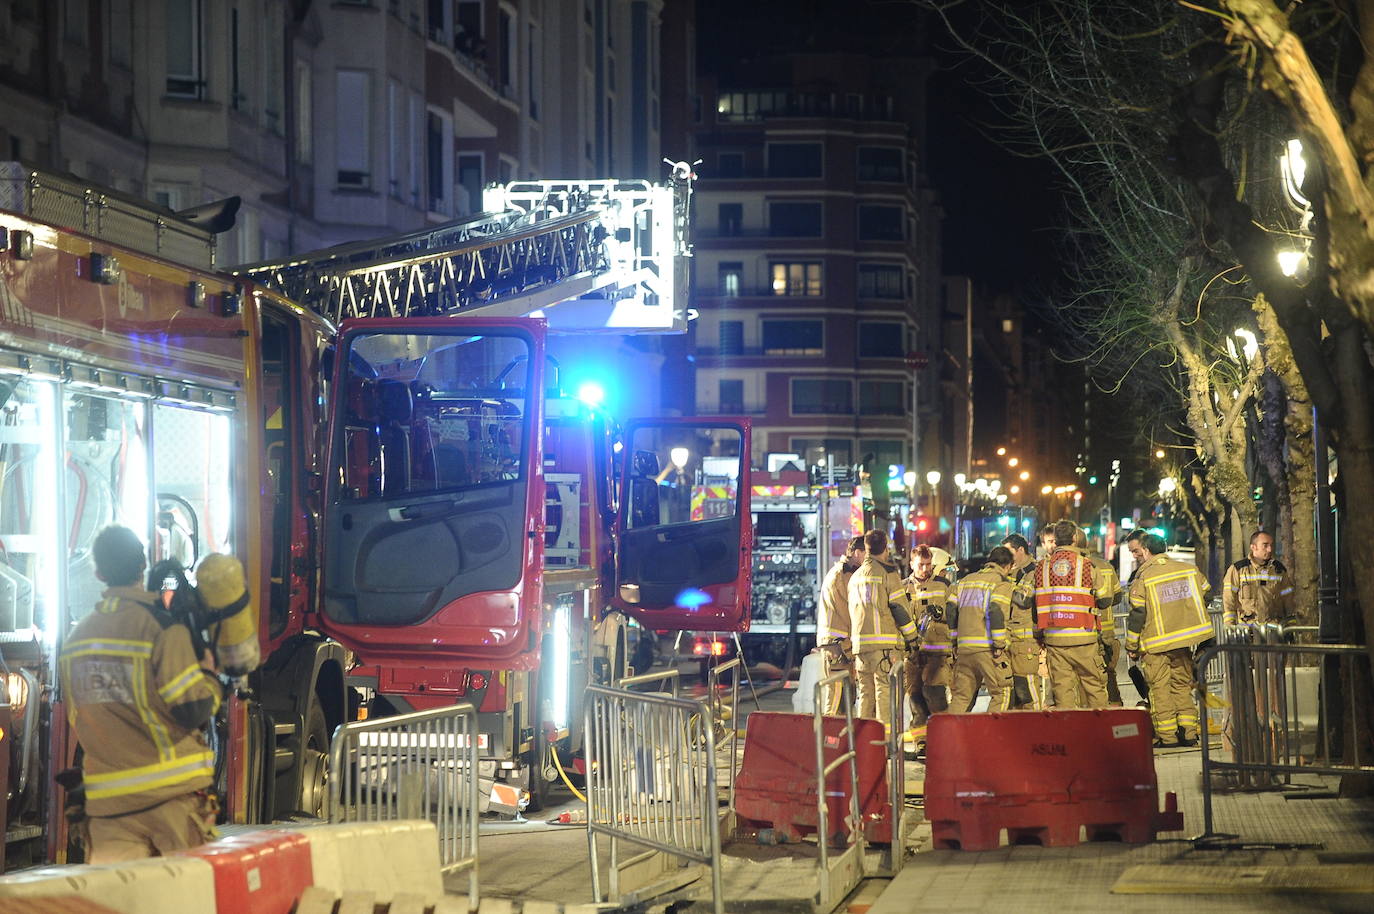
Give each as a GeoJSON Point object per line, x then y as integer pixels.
{"type": "Point", "coordinates": [812, 396]}
{"type": "Point", "coordinates": [439, 158]}
{"type": "Point", "coordinates": [238, 96]}
{"type": "Point", "coordinates": [730, 165]}
{"type": "Point", "coordinates": [797, 279]}
{"type": "Point", "coordinates": [417, 145]}
{"type": "Point", "coordinates": [395, 130]}
{"type": "Point", "coordinates": [731, 218]}
{"type": "Point", "coordinates": [305, 149]}
{"type": "Point", "coordinates": [272, 66]}
{"type": "Point", "coordinates": [731, 337]}
{"type": "Point", "coordinates": [881, 340]}
{"type": "Point", "coordinates": [185, 59]}
{"type": "Point", "coordinates": [880, 223]}
{"type": "Point", "coordinates": [731, 278]}
{"type": "Point", "coordinates": [880, 163]}
{"type": "Point", "coordinates": [468, 37]}
{"type": "Point", "coordinates": [880, 280]}
{"type": "Point", "coordinates": [882, 451]}
{"type": "Point", "coordinates": [882, 398]}
{"type": "Point", "coordinates": [731, 396]}
{"type": "Point", "coordinates": [121, 32]}
{"type": "Point", "coordinates": [815, 450]}
{"type": "Point", "coordinates": [470, 183]}
{"type": "Point", "coordinates": [506, 34]}
{"type": "Point", "coordinates": [794, 160]}
{"type": "Point", "coordinates": [794, 220]}
{"type": "Point", "coordinates": [793, 337]}
{"type": "Point", "coordinates": [75, 14]}
{"type": "Point", "coordinates": [534, 65]}
{"type": "Point", "coordinates": [352, 124]}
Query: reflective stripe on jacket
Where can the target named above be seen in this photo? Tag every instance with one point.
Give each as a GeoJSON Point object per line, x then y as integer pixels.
{"type": "Point", "coordinates": [833, 625]}
{"type": "Point", "coordinates": [1168, 607]}
{"type": "Point", "coordinates": [978, 617]}
{"type": "Point", "coordinates": [1106, 581]}
{"type": "Point", "coordinates": [928, 599]}
{"type": "Point", "coordinates": [137, 696]}
{"type": "Point", "coordinates": [1254, 594]}
{"type": "Point", "coordinates": [880, 611]}
{"type": "Point", "coordinates": [1065, 593]}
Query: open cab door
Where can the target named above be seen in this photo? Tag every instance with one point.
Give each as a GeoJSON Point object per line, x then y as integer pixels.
{"type": "Point", "coordinates": [683, 531]}
{"type": "Point", "coordinates": [434, 514]}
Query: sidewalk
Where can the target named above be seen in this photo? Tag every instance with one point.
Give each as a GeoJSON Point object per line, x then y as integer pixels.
{"type": "Point", "coordinates": [1080, 879]}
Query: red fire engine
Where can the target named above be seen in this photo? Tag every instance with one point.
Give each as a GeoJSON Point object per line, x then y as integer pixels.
{"type": "Point", "coordinates": [416, 512]}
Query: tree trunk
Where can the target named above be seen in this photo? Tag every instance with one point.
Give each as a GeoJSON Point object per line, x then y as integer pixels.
{"type": "Point", "coordinates": [1300, 554]}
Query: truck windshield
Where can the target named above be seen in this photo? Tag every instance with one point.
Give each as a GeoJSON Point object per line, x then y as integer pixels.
{"type": "Point", "coordinates": [429, 412]}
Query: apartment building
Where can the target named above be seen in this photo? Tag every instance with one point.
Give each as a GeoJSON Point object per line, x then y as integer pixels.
{"type": "Point", "coordinates": [816, 268]}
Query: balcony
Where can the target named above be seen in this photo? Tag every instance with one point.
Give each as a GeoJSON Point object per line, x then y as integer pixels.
{"type": "Point", "coordinates": [757, 292]}
{"type": "Point", "coordinates": [731, 409]}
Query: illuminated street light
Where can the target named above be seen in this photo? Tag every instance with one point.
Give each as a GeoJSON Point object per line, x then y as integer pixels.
{"type": "Point", "coordinates": [1025, 474]}
{"type": "Point", "coordinates": [909, 478]}
{"type": "Point", "coordinates": [1251, 347]}
{"type": "Point", "coordinates": [1015, 490]}
{"type": "Point", "coordinates": [1294, 169]}
{"type": "Point", "coordinates": [1001, 499]}
{"type": "Point", "coordinates": [960, 479]}
{"type": "Point", "coordinates": [1159, 454]}
{"type": "Point", "coordinates": [1290, 261]}
{"type": "Point", "coordinates": [933, 478]}
{"type": "Point", "coordinates": [1013, 461]}
{"type": "Point", "coordinates": [679, 456]}
{"type": "Point", "coordinates": [1167, 485]}
{"type": "Point", "coordinates": [1046, 489]}
{"type": "Point", "coordinates": [1001, 452]}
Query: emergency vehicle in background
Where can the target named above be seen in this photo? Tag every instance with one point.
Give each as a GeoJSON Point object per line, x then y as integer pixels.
{"type": "Point", "coordinates": [383, 472]}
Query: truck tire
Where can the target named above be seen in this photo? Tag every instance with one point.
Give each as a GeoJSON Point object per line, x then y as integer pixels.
{"type": "Point", "coordinates": [314, 762]}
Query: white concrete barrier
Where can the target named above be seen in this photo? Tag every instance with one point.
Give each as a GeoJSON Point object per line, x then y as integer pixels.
{"type": "Point", "coordinates": [386, 858]}
{"type": "Point", "coordinates": [158, 885]}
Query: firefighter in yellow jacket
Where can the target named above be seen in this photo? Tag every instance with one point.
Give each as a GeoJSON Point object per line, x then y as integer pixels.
{"type": "Point", "coordinates": [1066, 596]}
{"type": "Point", "coordinates": [1105, 580]}
{"type": "Point", "coordinates": [1257, 589]}
{"type": "Point", "coordinates": [881, 626]}
{"type": "Point", "coordinates": [1168, 620]}
{"type": "Point", "coordinates": [1023, 648]}
{"type": "Point", "coordinates": [928, 668]}
{"type": "Point", "coordinates": [977, 623]}
{"type": "Point", "coordinates": [832, 628]}
{"type": "Point", "coordinates": [137, 696]}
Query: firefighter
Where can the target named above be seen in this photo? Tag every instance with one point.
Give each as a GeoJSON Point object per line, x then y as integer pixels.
{"type": "Point", "coordinates": [928, 667]}
{"type": "Point", "coordinates": [1024, 650]}
{"type": "Point", "coordinates": [881, 626]}
{"type": "Point", "coordinates": [137, 697]}
{"type": "Point", "coordinates": [1257, 589]}
{"type": "Point", "coordinates": [977, 622]}
{"type": "Point", "coordinates": [1064, 594]}
{"type": "Point", "coordinates": [1138, 558]}
{"type": "Point", "coordinates": [1105, 579]}
{"type": "Point", "coordinates": [1168, 620]}
{"type": "Point", "coordinates": [832, 628]}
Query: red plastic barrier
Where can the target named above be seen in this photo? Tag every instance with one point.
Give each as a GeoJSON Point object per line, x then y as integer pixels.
{"type": "Point", "coordinates": [1043, 776]}
{"type": "Point", "coordinates": [776, 785]}
{"type": "Point", "coordinates": [261, 872]}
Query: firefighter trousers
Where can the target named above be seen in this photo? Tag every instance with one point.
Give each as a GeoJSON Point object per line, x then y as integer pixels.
{"type": "Point", "coordinates": [178, 823]}
{"type": "Point", "coordinates": [872, 688]}
{"type": "Point", "coordinates": [989, 669]}
{"type": "Point", "coordinates": [1075, 666]}
{"type": "Point", "coordinates": [1172, 706]}
{"type": "Point", "coordinates": [927, 676]}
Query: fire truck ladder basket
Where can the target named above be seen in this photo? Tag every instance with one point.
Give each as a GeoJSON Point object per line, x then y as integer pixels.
{"type": "Point", "coordinates": [421, 765]}
{"type": "Point", "coordinates": [611, 246]}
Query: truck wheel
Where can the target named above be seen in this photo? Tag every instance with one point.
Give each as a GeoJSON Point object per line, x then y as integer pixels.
{"type": "Point", "coordinates": [314, 799]}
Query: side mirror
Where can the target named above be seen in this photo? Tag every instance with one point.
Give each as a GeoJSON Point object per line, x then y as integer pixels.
{"type": "Point", "coordinates": [645, 465]}
{"type": "Point", "coordinates": [643, 503]}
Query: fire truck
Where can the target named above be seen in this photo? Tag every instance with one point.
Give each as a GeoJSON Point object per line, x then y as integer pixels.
{"type": "Point", "coordinates": [419, 510]}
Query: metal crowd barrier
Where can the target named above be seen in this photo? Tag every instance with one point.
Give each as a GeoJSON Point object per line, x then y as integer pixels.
{"type": "Point", "coordinates": [1286, 700]}
{"type": "Point", "coordinates": [896, 770]}
{"type": "Point", "coordinates": [668, 676]}
{"type": "Point", "coordinates": [421, 765]}
{"type": "Point", "coordinates": [651, 780]}
{"type": "Point", "coordinates": [731, 748]}
{"type": "Point", "coordinates": [823, 771]}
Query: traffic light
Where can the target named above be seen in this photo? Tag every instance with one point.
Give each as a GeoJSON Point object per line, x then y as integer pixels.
{"type": "Point", "coordinates": [921, 523]}
{"type": "Point", "coordinates": [1092, 480]}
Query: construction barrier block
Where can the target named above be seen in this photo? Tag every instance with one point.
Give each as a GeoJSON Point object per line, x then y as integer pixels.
{"type": "Point", "coordinates": [52, 905]}
{"type": "Point", "coordinates": [385, 858]}
{"type": "Point", "coordinates": [259, 872]}
{"type": "Point", "coordinates": [1043, 777]}
{"type": "Point", "coordinates": [776, 784]}
{"type": "Point", "coordinates": [156, 885]}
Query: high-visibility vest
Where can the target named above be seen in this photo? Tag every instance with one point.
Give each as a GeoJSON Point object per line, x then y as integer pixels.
{"type": "Point", "coordinates": [1168, 607]}
{"type": "Point", "coordinates": [872, 625]}
{"type": "Point", "coordinates": [833, 625]}
{"type": "Point", "coordinates": [983, 602]}
{"type": "Point", "coordinates": [1064, 599]}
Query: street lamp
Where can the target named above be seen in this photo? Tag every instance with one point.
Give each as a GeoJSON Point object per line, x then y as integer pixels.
{"type": "Point", "coordinates": [1046, 489]}
{"type": "Point", "coordinates": [933, 477]}
{"type": "Point", "coordinates": [960, 479]}
{"type": "Point", "coordinates": [1001, 452]}
{"type": "Point", "coordinates": [1159, 454]}
{"type": "Point", "coordinates": [909, 479]}
{"type": "Point", "coordinates": [1013, 461]}
{"type": "Point", "coordinates": [679, 456]}
{"type": "Point", "coordinates": [1024, 475]}
{"type": "Point", "coordinates": [1167, 485]}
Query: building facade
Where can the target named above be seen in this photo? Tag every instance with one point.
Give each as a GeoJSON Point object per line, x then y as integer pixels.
{"type": "Point", "coordinates": [817, 251]}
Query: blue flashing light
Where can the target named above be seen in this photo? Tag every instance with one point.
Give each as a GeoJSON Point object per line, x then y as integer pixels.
{"type": "Point", "coordinates": [692, 598]}
{"type": "Point", "coordinates": [1160, 532]}
{"type": "Point", "coordinates": [591, 393]}
{"type": "Point", "coordinates": [1025, 523]}
{"type": "Point", "coordinates": [1003, 521]}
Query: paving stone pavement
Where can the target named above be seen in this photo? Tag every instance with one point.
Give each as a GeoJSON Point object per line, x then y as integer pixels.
{"type": "Point", "coordinates": [1079, 879]}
